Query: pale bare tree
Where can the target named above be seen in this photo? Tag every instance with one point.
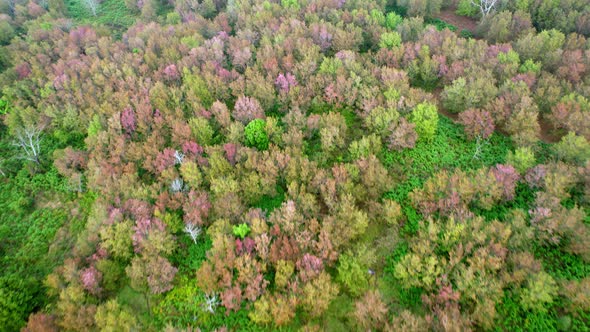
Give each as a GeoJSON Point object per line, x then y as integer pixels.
{"type": "Point", "coordinates": [193, 231]}
{"type": "Point", "coordinates": [92, 5]}
{"type": "Point", "coordinates": [211, 302]}
{"type": "Point", "coordinates": [485, 6]}
{"type": "Point", "coordinates": [28, 139]}
{"type": "Point", "coordinates": [177, 185]}
{"type": "Point", "coordinates": [178, 157]}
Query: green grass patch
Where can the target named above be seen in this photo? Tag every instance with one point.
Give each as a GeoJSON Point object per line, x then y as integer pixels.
{"type": "Point", "coordinates": [560, 264]}
{"type": "Point", "coordinates": [449, 149]}
{"type": "Point", "coordinates": [111, 13]}
{"type": "Point", "coordinates": [512, 316]}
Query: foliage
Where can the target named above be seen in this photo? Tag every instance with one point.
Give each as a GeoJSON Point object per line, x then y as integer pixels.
{"type": "Point", "coordinates": [352, 274]}
{"type": "Point", "coordinates": [466, 8]}
{"type": "Point", "coordinates": [540, 291]}
{"type": "Point", "coordinates": [255, 134]}
{"type": "Point", "coordinates": [420, 7]}
{"type": "Point", "coordinates": [241, 230]}
{"type": "Point", "coordinates": [392, 20]}
{"type": "Point", "coordinates": [390, 40]}
{"type": "Point", "coordinates": [263, 165]}
{"type": "Point", "coordinates": [441, 25]}
{"type": "Point", "coordinates": [425, 117]}
{"type": "Point", "coordinates": [110, 12]}
{"type": "Point", "coordinates": [573, 148]}
{"type": "Point", "coordinates": [522, 159]}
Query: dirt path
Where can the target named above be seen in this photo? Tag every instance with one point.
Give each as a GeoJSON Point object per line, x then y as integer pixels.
{"type": "Point", "coordinates": [461, 22]}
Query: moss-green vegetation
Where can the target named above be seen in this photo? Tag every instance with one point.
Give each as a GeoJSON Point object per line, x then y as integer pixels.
{"type": "Point", "coordinates": [293, 166]}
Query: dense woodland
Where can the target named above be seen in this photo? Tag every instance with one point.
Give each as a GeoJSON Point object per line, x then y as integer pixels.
{"type": "Point", "coordinates": [294, 165]}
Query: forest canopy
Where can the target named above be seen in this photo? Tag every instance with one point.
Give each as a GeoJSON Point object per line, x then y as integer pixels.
{"type": "Point", "coordinates": [296, 165]}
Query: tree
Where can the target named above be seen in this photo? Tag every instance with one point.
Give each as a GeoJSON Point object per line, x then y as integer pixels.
{"type": "Point", "coordinates": [390, 40]}
{"type": "Point", "coordinates": [318, 293]}
{"type": "Point", "coordinates": [573, 148]}
{"type": "Point", "coordinates": [522, 159]}
{"type": "Point", "coordinates": [504, 26]}
{"type": "Point", "coordinates": [201, 130]}
{"type": "Point", "coordinates": [40, 322]}
{"type": "Point", "coordinates": [151, 275]}
{"type": "Point", "coordinates": [92, 5]}
{"type": "Point", "coordinates": [540, 291]}
{"type": "Point", "coordinates": [523, 125]}
{"type": "Point", "coordinates": [116, 239]}
{"type": "Point", "coordinates": [333, 131]}
{"type": "Point", "coordinates": [425, 117]}
{"type": "Point", "coordinates": [472, 92]}
{"type": "Point", "coordinates": [479, 125]}
{"type": "Point", "coordinates": [403, 136]}
{"type": "Point", "coordinates": [485, 6]}
{"type": "Point", "coordinates": [370, 311]}
{"type": "Point", "coordinates": [255, 134]}
{"type": "Point", "coordinates": [111, 316]}
{"type": "Point", "coordinates": [247, 109]}
{"type": "Point", "coordinates": [426, 8]}
{"type": "Point", "coordinates": [353, 274]}
{"type": "Point", "coordinates": [28, 139]}
{"type": "Point", "coordinates": [193, 231]}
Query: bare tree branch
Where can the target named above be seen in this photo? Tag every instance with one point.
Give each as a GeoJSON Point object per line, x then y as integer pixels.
{"type": "Point", "coordinates": [485, 6]}
{"type": "Point", "coordinates": [92, 5]}
{"type": "Point", "coordinates": [28, 139]}
{"type": "Point", "coordinates": [193, 231]}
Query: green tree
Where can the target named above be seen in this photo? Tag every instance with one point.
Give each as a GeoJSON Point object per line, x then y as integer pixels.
{"type": "Point", "coordinates": [255, 134]}
{"type": "Point", "coordinates": [241, 230]}
{"type": "Point", "coordinates": [390, 40]}
{"type": "Point", "coordinates": [111, 316]}
{"type": "Point", "coordinates": [539, 292]}
{"type": "Point", "coordinates": [425, 117]}
{"type": "Point", "coordinates": [522, 159]}
{"type": "Point", "coordinates": [573, 148]}
{"type": "Point", "coordinates": [353, 274]}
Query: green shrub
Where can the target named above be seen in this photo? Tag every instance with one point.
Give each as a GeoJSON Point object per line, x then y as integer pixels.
{"type": "Point", "coordinates": [466, 34]}
{"type": "Point", "coordinates": [441, 25]}
{"type": "Point", "coordinates": [255, 134]}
